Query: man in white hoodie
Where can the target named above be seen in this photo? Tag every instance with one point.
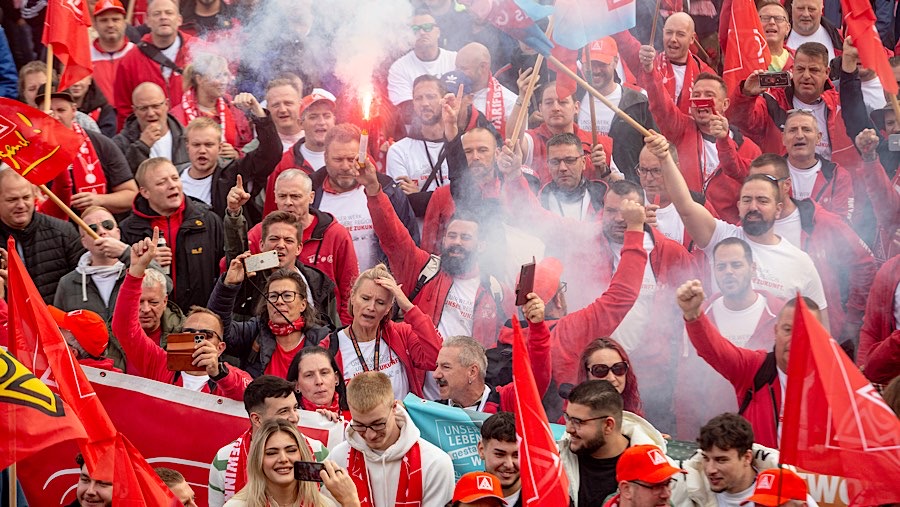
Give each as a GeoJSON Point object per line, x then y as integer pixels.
{"type": "Point", "coordinates": [383, 453]}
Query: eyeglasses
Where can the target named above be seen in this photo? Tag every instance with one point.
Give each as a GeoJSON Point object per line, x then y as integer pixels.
{"type": "Point", "coordinates": [656, 172]}
{"type": "Point", "coordinates": [569, 161]}
{"type": "Point", "coordinates": [109, 225]}
{"type": "Point", "coordinates": [287, 296]}
{"type": "Point", "coordinates": [773, 179]}
{"type": "Point", "coordinates": [602, 370]}
{"type": "Point", "coordinates": [577, 423]}
{"type": "Point", "coordinates": [777, 19]}
{"type": "Point", "coordinates": [361, 428]}
{"type": "Point", "coordinates": [207, 332]}
{"type": "Point", "coordinates": [155, 107]}
{"type": "Point", "coordinates": [658, 487]}
{"type": "Point", "coordinates": [424, 27]}
{"type": "Point", "coordinates": [563, 287]}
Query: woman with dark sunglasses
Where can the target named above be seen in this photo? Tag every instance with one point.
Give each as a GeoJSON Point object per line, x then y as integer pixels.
{"type": "Point", "coordinates": [605, 359]}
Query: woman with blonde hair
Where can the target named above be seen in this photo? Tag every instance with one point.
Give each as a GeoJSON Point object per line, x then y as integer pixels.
{"type": "Point", "coordinates": [270, 473]}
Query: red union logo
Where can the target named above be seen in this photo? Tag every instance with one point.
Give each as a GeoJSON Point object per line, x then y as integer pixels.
{"type": "Point", "coordinates": [7, 126]}
{"type": "Point", "coordinates": [77, 8]}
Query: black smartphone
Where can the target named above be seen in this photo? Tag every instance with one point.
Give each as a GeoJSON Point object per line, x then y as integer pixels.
{"type": "Point", "coordinates": [526, 283]}
{"type": "Point", "coordinates": [774, 79]}
{"type": "Point", "coordinates": [308, 471]}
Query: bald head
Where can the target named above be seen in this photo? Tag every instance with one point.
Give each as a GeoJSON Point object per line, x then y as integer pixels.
{"type": "Point", "coordinates": [150, 106]}
{"type": "Point", "coordinates": [474, 60]}
{"type": "Point", "coordinates": [678, 33]}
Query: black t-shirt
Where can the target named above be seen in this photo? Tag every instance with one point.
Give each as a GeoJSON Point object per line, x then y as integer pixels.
{"type": "Point", "coordinates": [596, 480]}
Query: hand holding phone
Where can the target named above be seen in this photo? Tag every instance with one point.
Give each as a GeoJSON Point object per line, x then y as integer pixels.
{"type": "Point", "coordinates": [180, 351]}
{"type": "Point", "coordinates": [526, 283]}
{"type": "Point", "coordinates": [308, 471]}
{"type": "Point", "coordinates": [774, 80]}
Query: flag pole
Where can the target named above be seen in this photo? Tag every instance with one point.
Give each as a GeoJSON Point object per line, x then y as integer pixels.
{"type": "Point", "coordinates": [652, 42]}
{"type": "Point", "coordinates": [589, 74]}
{"type": "Point", "coordinates": [130, 15]}
{"type": "Point", "coordinates": [49, 85]}
{"type": "Point", "coordinates": [561, 67]}
{"type": "Point", "coordinates": [68, 211]}
{"type": "Point", "coordinates": [529, 91]}
{"type": "Point", "coordinates": [13, 492]}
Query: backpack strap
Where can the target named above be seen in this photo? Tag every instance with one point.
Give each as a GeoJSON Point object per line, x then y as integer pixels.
{"type": "Point", "coordinates": [766, 373]}
{"type": "Point", "coordinates": [428, 272]}
{"type": "Point", "coordinates": [152, 52]}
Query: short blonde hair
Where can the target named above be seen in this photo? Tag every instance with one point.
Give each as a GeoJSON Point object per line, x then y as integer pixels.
{"type": "Point", "coordinates": [369, 390]}
{"type": "Point", "coordinates": [373, 273]}
{"type": "Point", "coordinates": [147, 166]}
{"type": "Point", "coordinates": [202, 122]}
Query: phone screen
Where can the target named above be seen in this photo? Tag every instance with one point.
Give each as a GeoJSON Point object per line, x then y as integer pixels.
{"type": "Point", "coordinates": [308, 471]}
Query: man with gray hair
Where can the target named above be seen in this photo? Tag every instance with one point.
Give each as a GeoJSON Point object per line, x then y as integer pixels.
{"type": "Point", "coordinates": [158, 316]}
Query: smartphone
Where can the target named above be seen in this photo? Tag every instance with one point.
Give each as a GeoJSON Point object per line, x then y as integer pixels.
{"type": "Point", "coordinates": [894, 142]}
{"type": "Point", "coordinates": [774, 79]}
{"type": "Point", "coordinates": [526, 283]}
{"type": "Point", "coordinates": [261, 261]}
{"type": "Point", "coordinates": [704, 104]}
{"type": "Point", "coordinates": [308, 471]}
{"type": "Point", "coordinates": [180, 351]}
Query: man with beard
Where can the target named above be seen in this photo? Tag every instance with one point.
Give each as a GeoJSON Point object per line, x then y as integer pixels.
{"type": "Point", "coordinates": [598, 431]}
{"type": "Point", "coordinates": [500, 452]}
{"type": "Point", "coordinates": [782, 268]}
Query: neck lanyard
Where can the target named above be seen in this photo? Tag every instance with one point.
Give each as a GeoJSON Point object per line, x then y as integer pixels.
{"type": "Point", "coordinates": [362, 361]}
{"type": "Point", "coordinates": [435, 170]}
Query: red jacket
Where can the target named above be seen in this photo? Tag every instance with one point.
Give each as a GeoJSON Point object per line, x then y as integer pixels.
{"type": "Point", "coordinates": [327, 246]}
{"type": "Point", "coordinates": [722, 188]}
{"type": "Point", "coordinates": [292, 159]}
{"type": "Point", "coordinates": [136, 68]}
{"type": "Point", "coordinates": [406, 262]}
{"type": "Point", "coordinates": [887, 213]}
{"type": "Point", "coordinates": [106, 66]}
{"type": "Point", "coordinates": [149, 359]}
{"type": "Point", "coordinates": [879, 325]}
{"type": "Point", "coordinates": [739, 365]}
{"type": "Point", "coordinates": [416, 342]}
{"type": "Point", "coordinates": [542, 134]}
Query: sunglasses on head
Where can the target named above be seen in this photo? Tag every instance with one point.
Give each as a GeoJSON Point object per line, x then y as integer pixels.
{"type": "Point", "coordinates": [109, 225]}
{"type": "Point", "coordinates": [602, 370]}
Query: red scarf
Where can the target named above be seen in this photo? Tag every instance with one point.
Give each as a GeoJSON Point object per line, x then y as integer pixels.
{"type": "Point", "coordinates": [236, 470]}
{"type": "Point", "coordinates": [87, 175]}
{"type": "Point", "coordinates": [409, 490]}
{"type": "Point", "coordinates": [335, 405]}
{"type": "Point", "coordinates": [669, 81]}
{"type": "Point", "coordinates": [494, 108]}
{"type": "Point", "coordinates": [192, 110]}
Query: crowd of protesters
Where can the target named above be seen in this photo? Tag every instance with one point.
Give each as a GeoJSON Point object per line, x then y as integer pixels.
{"type": "Point", "coordinates": [236, 203]}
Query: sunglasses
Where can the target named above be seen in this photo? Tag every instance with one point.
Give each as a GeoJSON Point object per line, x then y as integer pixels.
{"type": "Point", "coordinates": [109, 225]}
{"type": "Point", "coordinates": [424, 27]}
{"type": "Point", "coordinates": [602, 370]}
{"type": "Point", "coordinates": [208, 332]}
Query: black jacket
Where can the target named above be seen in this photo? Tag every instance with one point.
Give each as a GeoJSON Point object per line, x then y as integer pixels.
{"type": "Point", "coordinates": [49, 247]}
{"type": "Point", "coordinates": [129, 142]}
{"type": "Point", "coordinates": [94, 100]}
{"type": "Point", "coordinates": [856, 120]}
{"type": "Point", "coordinates": [595, 189]}
{"type": "Point", "coordinates": [199, 245]}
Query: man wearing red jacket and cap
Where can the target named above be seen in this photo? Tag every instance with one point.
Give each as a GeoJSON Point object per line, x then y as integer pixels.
{"type": "Point", "coordinates": [111, 44]}
{"type": "Point", "coordinates": [645, 478]}
{"type": "Point", "coordinates": [86, 335]}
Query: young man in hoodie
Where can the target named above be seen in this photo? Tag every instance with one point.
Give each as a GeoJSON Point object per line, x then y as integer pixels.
{"type": "Point", "coordinates": [389, 463]}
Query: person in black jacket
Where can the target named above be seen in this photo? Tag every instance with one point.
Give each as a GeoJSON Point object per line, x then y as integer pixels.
{"type": "Point", "coordinates": [150, 131]}
{"type": "Point", "coordinates": [91, 101]}
{"type": "Point", "coordinates": [194, 234]}
{"type": "Point", "coordinates": [49, 247]}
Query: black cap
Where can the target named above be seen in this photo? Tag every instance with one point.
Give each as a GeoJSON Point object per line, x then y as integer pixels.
{"type": "Point", "coordinates": [65, 95]}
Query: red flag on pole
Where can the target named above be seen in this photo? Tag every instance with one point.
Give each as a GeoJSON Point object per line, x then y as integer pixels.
{"type": "Point", "coordinates": [65, 29]}
{"type": "Point", "coordinates": [544, 481]}
{"type": "Point", "coordinates": [36, 340]}
{"type": "Point", "coordinates": [835, 422]}
{"type": "Point", "coordinates": [746, 48]}
{"type": "Point", "coordinates": [565, 85]}
{"type": "Point", "coordinates": [32, 416]}
{"type": "Point", "coordinates": [860, 21]}
{"type": "Point", "coordinates": [33, 144]}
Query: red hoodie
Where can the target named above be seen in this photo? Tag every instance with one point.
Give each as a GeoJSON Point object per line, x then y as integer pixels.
{"type": "Point", "coordinates": [879, 337]}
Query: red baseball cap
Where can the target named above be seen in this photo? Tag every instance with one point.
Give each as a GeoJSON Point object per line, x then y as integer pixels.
{"type": "Point", "coordinates": [476, 486]}
{"type": "Point", "coordinates": [603, 50]}
{"type": "Point", "coordinates": [109, 5]}
{"type": "Point", "coordinates": [87, 327]}
{"type": "Point", "coordinates": [777, 486]}
{"type": "Point", "coordinates": [317, 95]}
{"type": "Point", "coordinates": [645, 463]}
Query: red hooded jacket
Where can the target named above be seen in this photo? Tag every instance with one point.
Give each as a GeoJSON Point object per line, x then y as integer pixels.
{"type": "Point", "coordinates": [887, 213]}
{"type": "Point", "coordinates": [879, 337]}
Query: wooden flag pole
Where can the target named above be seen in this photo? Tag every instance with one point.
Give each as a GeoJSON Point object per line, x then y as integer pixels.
{"type": "Point", "coordinates": [49, 86]}
{"type": "Point", "coordinates": [529, 91]}
{"type": "Point", "coordinates": [589, 74]}
{"type": "Point", "coordinates": [653, 27]}
{"type": "Point", "coordinates": [130, 15]}
{"type": "Point", "coordinates": [68, 211]}
{"type": "Point", "coordinates": [593, 91]}
{"type": "Point", "coordinates": [13, 492]}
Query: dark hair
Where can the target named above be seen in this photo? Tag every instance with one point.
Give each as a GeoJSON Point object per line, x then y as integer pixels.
{"type": "Point", "coordinates": [624, 187]}
{"type": "Point", "coordinates": [263, 388]}
{"type": "Point", "coordinates": [282, 217]}
{"type": "Point", "coordinates": [564, 139]}
{"type": "Point", "coordinates": [768, 179]}
{"type": "Point", "coordinates": [309, 313]}
{"type": "Point", "coordinates": [428, 78]}
{"type": "Point", "coordinates": [709, 76]}
{"type": "Point", "coordinates": [726, 431]}
{"type": "Point", "coordinates": [599, 396]}
{"type": "Point", "coordinates": [814, 50]}
{"type": "Point", "coordinates": [748, 252]}
{"type": "Point", "coordinates": [169, 476]}
{"type": "Point", "coordinates": [79, 460]}
{"type": "Point", "coordinates": [500, 426]}
{"type": "Point", "coordinates": [631, 397]}
{"type": "Point", "coordinates": [812, 305]}
{"type": "Point", "coordinates": [775, 160]}
{"type": "Point", "coordinates": [539, 93]}
{"type": "Point", "coordinates": [293, 373]}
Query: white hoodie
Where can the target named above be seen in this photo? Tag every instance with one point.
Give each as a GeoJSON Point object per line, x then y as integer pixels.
{"type": "Point", "coordinates": [383, 469]}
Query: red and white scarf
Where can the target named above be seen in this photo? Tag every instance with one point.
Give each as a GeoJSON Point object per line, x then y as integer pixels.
{"type": "Point", "coordinates": [192, 110]}
{"type": "Point", "coordinates": [494, 108]}
{"type": "Point", "coordinates": [670, 80]}
{"type": "Point", "coordinates": [409, 489]}
{"type": "Point", "coordinates": [87, 174]}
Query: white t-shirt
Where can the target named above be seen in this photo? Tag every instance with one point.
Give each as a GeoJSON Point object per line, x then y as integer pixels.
{"type": "Point", "coordinates": [897, 307]}
{"type": "Point", "coordinates": [513, 498]}
{"type": "Point", "coordinates": [351, 211]}
{"type": "Point", "coordinates": [198, 189]}
{"type": "Point", "coordinates": [171, 53]}
{"type": "Point", "coordinates": [479, 100]}
{"type": "Point", "coordinates": [287, 142]}
{"type": "Point", "coordinates": [603, 114]}
{"type": "Point", "coordinates": [316, 159]}
{"type": "Point", "coordinates": [803, 180]}
{"type": "Point", "coordinates": [457, 319]}
{"type": "Point", "coordinates": [407, 157]}
{"type": "Point", "coordinates": [388, 362]}
{"type": "Point", "coordinates": [738, 326]}
{"type": "Point", "coordinates": [726, 499]}
{"type": "Point", "coordinates": [781, 269]}
{"type": "Point", "coordinates": [162, 147]}
{"type": "Point", "coordinates": [873, 94]}
{"type": "Point", "coordinates": [632, 331]}
{"type": "Point", "coordinates": [194, 382]}
{"type": "Point", "coordinates": [669, 222]}
{"type": "Point", "coordinates": [408, 67]}
{"type": "Point", "coordinates": [790, 228]}
{"type": "Point", "coordinates": [710, 157]}
{"type": "Point", "coordinates": [820, 111]}
{"type": "Point", "coordinates": [679, 78]}
{"type": "Point", "coordinates": [821, 35]}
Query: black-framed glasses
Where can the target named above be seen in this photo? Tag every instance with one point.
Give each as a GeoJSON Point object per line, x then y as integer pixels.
{"type": "Point", "coordinates": [563, 287]}
{"type": "Point", "coordinates": [148, 107]}
{"type": "Point", "coordinates": [602, 370]}
{"type": "Point", "coordinates": [109, 225]}
{"type": "Point", "coordinates": [658, 487]}
{"type": "Point", "coordinates": [577, 422]}
{"type": "Point", "coordinates": [361, 428]}
{"type": "Point", "coordinates": [207, 332]}
{"type": "Point", "coordinates": [424, 27]}
{"type": "Point", "coordinates": [777, 19]}
{"type": "Point", "coordinates": [287, 296]}
{"type": "Point", "coordinates": [569, 161]}
{"type": "Point", "coordinates": [656, 172]}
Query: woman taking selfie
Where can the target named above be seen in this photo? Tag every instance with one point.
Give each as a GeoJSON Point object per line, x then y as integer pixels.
{"type": "Point", "coordinates": [270, 473]}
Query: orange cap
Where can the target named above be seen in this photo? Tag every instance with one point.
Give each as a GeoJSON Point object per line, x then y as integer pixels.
{"type": "Point", "coordinates": [317, 95]}
{"type": "Point", "coordinates": [546, 278]}
{"type": "Point", "coordinates": [603, 50]}
{"type": "Point", "coordinates": [109, 5]}
{"type": "Point", "coordinates": [644, 463]}
{"type": "Point", "coordinates": [88, 328]}
{"type": "Point", "coordinates": [476, 486]}
{"type": "Point", "coordinates": [777, 486]}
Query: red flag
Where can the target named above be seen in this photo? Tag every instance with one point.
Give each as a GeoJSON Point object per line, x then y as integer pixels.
{"type": "Point", "coordinates": [544, 481]}
{"type": "Point", "coordinates": [65, 29]}
{"type": "Point", "coordinates": [565, 85]}
{"type": "Point", "coordinates": [34, 144]}
{"type": "Point", "coordinates": [860, 21]}
{"type": "Point", "coordinates": [835, 422]}
{"type": "Point", "coordinates": [746, 49]}
{"type": "Point", "coordinates": [36, 340]}
{"type": "Point", "coordinates": [33, 416]}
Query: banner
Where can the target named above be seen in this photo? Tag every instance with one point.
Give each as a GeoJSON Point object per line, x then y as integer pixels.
{"type": "Point", "coordinates": [171, 426]}
{"type": "Point", "coordinates": [580, 22]}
